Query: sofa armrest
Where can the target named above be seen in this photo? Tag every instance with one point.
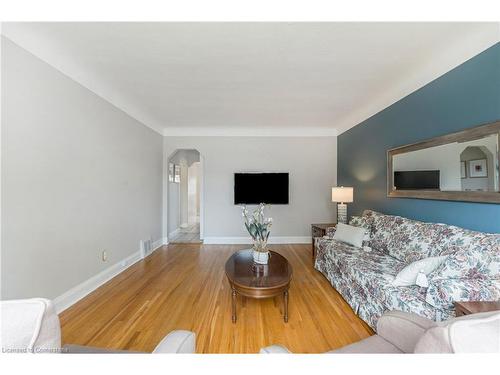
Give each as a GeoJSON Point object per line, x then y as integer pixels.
{"type": "Point", "coordinates": [274, 349]}
{"type": "Point", "coordinates": [402, 329]}
{"type": "Point", "coordinates": [177, 342]}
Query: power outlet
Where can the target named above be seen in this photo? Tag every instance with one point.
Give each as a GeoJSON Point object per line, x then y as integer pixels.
{"type": "Point", "coordinates": [104, 256]}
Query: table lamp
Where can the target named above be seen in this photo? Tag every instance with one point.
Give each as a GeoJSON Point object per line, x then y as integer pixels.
{"type": "Point", "coordinates": [342, 195]}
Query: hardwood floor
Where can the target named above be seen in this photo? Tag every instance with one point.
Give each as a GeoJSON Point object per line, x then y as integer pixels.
{"type": "Point", "coordinates": [190, 234]}
{"type": "Point", "coordinates": [183, 286]}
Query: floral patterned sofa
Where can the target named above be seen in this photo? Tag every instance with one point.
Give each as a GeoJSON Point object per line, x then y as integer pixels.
{"type": "Point", "coordinates": [363, 276]}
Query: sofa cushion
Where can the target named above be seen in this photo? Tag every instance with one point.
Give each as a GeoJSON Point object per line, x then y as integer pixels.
{"type": "Point", "coordinates": [401, 238]}
{"type": "Point", "coordinates": [477, 255]}
{"type": "Point", "coordinates": [371, 270]}
{"type": "Point", "coordinates": [443, 292]}
{"type": "Point", "coordinates": [411, 240]}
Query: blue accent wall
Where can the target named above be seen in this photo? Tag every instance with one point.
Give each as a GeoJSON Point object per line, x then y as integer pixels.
{"type": "Point", "coordinates": [467, 96]}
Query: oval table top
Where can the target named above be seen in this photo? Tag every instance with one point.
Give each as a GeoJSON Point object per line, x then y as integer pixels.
{"type": "Point", "coordinates": [277, 273]}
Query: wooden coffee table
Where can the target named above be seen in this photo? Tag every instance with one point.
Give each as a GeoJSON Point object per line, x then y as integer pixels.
{"type": "Point", "coordinates": [270, 280]}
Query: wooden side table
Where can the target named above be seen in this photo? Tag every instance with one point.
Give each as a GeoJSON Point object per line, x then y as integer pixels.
{"type": "Point", "coordinates": [319, 230]}
{"type": "Point", "coordinates": [466, 308]}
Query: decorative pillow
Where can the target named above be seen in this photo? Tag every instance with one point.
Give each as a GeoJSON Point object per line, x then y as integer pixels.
{"type": "Point", "coordinates": [442, 293]}
{"type": "Point", "coordinates": [408, 275]}
{"type": "Point", "coordinates": [349, 234]}
{"type": "Point", "coordinates": [360, 221]}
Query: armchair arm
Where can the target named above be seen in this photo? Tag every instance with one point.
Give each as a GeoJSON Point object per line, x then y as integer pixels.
{"type": "Point", "coordinates": [177, 342]}
{"type": "Point", "coordinates": [274, 349]}
{"type": "Point", "coordinates": [403, 329]}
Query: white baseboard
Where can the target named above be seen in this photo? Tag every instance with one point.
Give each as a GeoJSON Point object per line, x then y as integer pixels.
{"type": "Point", "coordinates": [248, 240]}
{"type": "Point", "coordinates": [75, 294]}
{"type": "Point", "coordinates": [159, 243]}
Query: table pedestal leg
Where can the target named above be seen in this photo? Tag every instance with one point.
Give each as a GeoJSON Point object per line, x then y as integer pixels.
{"type": "Point", "coordinates": [233, 317]}
{"type": "Point", "coordinates": [285, 300]}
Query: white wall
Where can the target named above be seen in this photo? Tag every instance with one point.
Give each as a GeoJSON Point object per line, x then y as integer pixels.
{"type": "Point", "coordinates": [193, 196]}
{"type": "Point", "coordinates": [178, 193]}
{"type": "Point", "coordinates": [78, 176]}
{"type": "Point", "coordinates": [184, 194]}
{"type": "Point", "coordinates": [174, 214]}
{"type": "Point", "coordinates": [311, 162]}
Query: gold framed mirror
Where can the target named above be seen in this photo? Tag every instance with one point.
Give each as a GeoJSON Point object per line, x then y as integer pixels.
{"type": "Point", "coordinates": [461, 166]}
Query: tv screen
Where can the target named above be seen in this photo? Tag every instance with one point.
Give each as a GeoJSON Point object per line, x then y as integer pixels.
{"type": "Point", "coordinates": [416, 180]}
{"type": "Point", "coordinates": [256, 188]}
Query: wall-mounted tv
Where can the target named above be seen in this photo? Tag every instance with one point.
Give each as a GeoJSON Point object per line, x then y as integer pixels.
{"type": "Point", "coordinates": [256, 188]}
{"type": "Point", "coordinates": [416, 180]}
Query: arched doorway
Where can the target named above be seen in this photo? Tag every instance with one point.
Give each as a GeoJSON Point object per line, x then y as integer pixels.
{"type": "Point", "coordinates": [184, 196]}
{"type": "Point", "coordinates": [478, 169]}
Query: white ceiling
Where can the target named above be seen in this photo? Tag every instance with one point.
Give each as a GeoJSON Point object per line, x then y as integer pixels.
{"type": "Point", "coordinates": [253, 78]}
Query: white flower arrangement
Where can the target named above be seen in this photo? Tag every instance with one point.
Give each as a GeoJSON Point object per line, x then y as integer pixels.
{"type": "Point", "coordinates": [258, 226]}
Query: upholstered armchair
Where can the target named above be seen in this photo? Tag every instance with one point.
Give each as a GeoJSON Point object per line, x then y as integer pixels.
{"type": "Point", "coordinates": [32, 326]}
{"type": "Point", "coordinates": [401, 332]}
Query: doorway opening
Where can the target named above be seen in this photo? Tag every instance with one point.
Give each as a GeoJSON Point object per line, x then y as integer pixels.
{"type": "Point", "coordinates": [185, 197]}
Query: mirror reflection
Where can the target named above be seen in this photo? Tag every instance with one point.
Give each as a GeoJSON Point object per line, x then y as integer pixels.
{"type": "Point", "coordinates": [458, 166]}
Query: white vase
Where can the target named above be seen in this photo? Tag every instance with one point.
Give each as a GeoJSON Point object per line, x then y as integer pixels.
{"type": "Point", "coordinates": [260, 257]}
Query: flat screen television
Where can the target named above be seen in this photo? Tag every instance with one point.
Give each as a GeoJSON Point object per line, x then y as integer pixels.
{"type": "Point", "coordinates": [256, 188]}
{"type": "Point", "coordinates": [416, 180]}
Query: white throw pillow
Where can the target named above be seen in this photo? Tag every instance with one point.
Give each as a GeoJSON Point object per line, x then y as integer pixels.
{"type": "Point", "coordinates": [360, 221]}
{"type": "Point", "coordinates": [349, 234]}
{"type": "Point", "coordinates": [408, 275]}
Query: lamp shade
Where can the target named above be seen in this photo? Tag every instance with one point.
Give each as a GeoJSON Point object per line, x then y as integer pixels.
{"type": "Point", "coordinates": [342, 194]}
